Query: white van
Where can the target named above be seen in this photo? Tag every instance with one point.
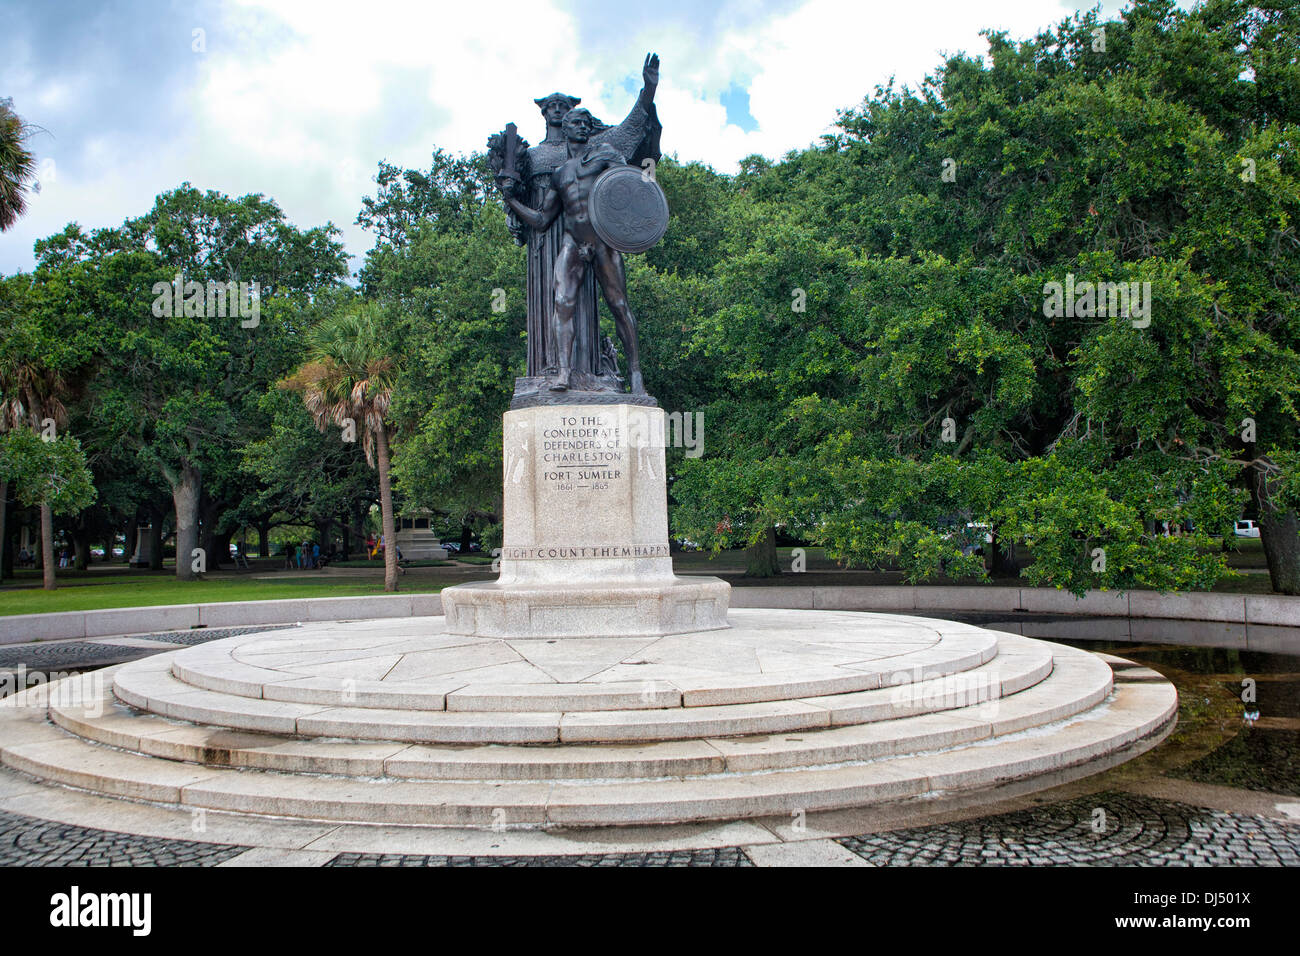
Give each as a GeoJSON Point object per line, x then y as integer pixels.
{"type": "Point", "coordinates": [1245, 529]}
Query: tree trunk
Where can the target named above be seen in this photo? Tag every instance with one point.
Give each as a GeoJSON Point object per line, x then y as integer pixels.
{"type": "Point", "coordinates": [209, 539]}
{"type": "Point", "coordinates": [48, 558]}
{"type": "Point", "coordinates": [221, 547]}
{"type": "Point", "coordinates": [465, 530]}
{"type": "Point", "coordinates": [5, 571]}
{"type": "Point", "coordinates": [996, 559]}
{"type": "Point", "coordinates": [128, 545]}
{"type": "Point", "coordinates": [760, 557]}
{"type": "Point", "coordinates": [1279, 534]}
{"type": "Point", "coordinates": [359, 527]}
{"type": "Point", "coordinates": [185, 499]}
{"type": "Point", "coordinates": [156, 542]}
{"type": "Point", "coordinates": [81, 545]}
{"type": "Point", "coordinates": [386, 509]}
{"type": "Point", "coordinates": [7, 549]}
{"type": "Point", "coordinates": [264, 539]}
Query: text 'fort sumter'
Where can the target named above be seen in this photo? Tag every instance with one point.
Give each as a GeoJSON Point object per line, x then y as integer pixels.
{"type": "Point", "coordinates": [583, 452]}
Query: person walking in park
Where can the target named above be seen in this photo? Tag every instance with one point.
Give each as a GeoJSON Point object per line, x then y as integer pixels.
{"type": "Point", "coordinates": [288, 557]}
{"type": "Point", "coordinates": [315, 555]}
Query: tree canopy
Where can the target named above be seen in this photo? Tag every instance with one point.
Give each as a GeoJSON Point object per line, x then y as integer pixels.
{"type": "Point", "coordinates": [1047, 299]}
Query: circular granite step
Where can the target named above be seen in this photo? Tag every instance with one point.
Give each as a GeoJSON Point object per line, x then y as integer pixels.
{"type": "Point", "coordinates": [765, 718]}
{"type": "Point", "coordinates": [1136, 717]}
{"type": "Point", "coordinates": [412, 665]}
{"type": "Point", "coordinates": [947, 670]}
{"type": "Point", "coordinates": [1078, 681]}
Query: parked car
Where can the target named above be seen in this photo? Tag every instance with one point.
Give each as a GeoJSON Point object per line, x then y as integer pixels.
{"type": "Point", "coordinates": [972, 535]}
{"type": "Point", "coordinates": [452, 546]}
{"type": "Point", "coordinates": [1245, 528]}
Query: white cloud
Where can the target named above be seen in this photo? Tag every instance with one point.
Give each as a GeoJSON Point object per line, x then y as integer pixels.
{"type": "Point", "coordinates": [299, 99]}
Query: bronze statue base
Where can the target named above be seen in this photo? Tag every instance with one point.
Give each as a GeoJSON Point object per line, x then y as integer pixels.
{"type": "Point", "coordinates": [584, 389]}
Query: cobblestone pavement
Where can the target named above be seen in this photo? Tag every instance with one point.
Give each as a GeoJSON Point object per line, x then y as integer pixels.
{"type": "Point", "coordinates": [1129, 830]}
{"type": "Point", "coordinates": [201, 635]}
{"type": "Point", "coordinates": [727, 856]}
{"type": "Point", "coordinates": [78, 655]}
{"type": "Point", "coordinates": [27, 841]}
{"type": "Point", "coordinates": [1134, 831]}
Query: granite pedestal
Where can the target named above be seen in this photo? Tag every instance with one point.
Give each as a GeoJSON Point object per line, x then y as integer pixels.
{"type": "Point", "coordinates": [585, 551]}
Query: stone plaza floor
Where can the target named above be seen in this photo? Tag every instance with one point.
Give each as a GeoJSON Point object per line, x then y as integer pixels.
{"type": "Point", "coordinates": [1137, 831]}
{"type": "Point", "coordinates": [1225, 798]}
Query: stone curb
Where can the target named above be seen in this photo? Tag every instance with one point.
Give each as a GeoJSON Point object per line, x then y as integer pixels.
{"type": "Point", "coordinates": [65, 625]}
{"type": "Point", "coordinates": [1273, 609]}
{"type": "Point", "coordinates": [1259, 609]}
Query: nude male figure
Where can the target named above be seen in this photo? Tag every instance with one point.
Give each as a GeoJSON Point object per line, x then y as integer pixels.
{"type": "Point", "coordinates": [570, 191]}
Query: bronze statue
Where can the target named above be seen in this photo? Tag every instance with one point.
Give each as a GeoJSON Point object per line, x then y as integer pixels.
{"type": "Point", "coordinates": [567, 258]}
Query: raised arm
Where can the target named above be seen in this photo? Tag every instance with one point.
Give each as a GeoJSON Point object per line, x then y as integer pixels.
{"type": "Point", "coordinates": [538, 219]}
{"type": "Point", "coordinates": [650, 81]}
{"type": "Point", "coordinates": [631, 135]}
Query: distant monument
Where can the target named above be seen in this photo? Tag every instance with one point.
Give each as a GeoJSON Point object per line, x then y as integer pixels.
{"type": "Point", "coordinates": [142, 556]}
{"type": "Point", "coordinates": [415, 538]}
{"type": "Point", "coordinates": [585, 545]}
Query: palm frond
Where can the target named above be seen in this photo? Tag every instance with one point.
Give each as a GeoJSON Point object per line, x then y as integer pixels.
{"type": "Point", "coordinates": [350, 373]}
{"type": "Point", "coordinates": [17, 166]}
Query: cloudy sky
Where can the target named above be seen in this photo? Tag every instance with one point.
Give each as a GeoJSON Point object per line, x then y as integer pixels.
{"type": "Point", "coordinates": [300, 99]}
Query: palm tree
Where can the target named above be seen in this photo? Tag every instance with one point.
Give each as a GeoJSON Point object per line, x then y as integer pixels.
{"type": "Point", "coordinates": [348, 377]}
{"type": "Point", "coordinates": [17, 165]}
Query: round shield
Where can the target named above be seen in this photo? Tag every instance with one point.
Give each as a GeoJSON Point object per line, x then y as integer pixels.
{"type": "Point", "coordinates": [628, 209]}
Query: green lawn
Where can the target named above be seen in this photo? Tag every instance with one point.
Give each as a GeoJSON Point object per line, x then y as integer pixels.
{"type": "Point", "coordinates": [87, 595]}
